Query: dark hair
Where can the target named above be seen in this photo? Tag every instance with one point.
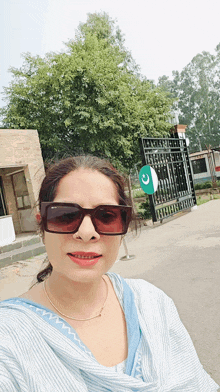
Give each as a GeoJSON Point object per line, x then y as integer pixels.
{"type": "Point", "coordinates": [60, 169]}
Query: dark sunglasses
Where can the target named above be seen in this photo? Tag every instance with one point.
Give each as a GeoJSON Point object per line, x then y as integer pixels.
{"type": "Point", "coordinates": [66, 218]}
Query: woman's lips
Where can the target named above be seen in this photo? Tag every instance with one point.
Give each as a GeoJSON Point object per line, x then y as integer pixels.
{"type": "Point", "coordinates": [86, 254]}
{"type": "Point", "coordinates": [84, 262]}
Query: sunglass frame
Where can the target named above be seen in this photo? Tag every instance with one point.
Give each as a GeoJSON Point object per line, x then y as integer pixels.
{"type": "Point", "coordinates": [85, 211]}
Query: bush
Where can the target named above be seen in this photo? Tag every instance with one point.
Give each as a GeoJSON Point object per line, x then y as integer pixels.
{"type": "Point", "coordinates": [144, 210]}
{"type": "Point", "coordinates": [203, 185]}
{"type": "Point", "coordinates": [207, 185]}
{"type": "Point", "coordinates": [135, 186]}
{"type": "Point", "coordinates": [139, 193]}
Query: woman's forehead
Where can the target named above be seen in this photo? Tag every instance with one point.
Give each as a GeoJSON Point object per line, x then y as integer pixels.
{"type": "Point", "coordinates": [87, 184]}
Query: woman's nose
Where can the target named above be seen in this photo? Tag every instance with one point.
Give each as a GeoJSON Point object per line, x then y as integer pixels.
{"type": "Point", "coordinates": [87, 230]}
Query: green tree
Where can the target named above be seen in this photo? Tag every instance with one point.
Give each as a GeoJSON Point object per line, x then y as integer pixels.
{"type": "Point", "coordinates": [88, 99]}
{"type": "Point", "coordinates": [197, 89]}
{"type": "Point", "coordinates": [104, 27]}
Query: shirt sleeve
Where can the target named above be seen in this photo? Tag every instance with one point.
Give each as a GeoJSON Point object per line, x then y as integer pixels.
{"type": "Point", "coordinates": [189, 374]}
{"type": "Point", "coordinates": [7, 383]}
{"type": "Point", "coordinates": [11, 378]}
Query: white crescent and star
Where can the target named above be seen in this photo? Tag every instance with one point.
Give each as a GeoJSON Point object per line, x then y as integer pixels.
{"type": "Point", "coordinates": [148, 179]}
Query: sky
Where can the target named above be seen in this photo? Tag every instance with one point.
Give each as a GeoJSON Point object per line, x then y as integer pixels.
{"type": "Point", "coordinates": [162, 35]}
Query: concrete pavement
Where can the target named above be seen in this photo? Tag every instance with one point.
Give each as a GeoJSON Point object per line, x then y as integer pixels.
{"type": "Point", "coordinates": [182, 257]}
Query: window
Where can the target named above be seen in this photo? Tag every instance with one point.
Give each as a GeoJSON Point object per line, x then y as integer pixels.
{"type": "Point", "coordinates": [199, 166]}
{"type": "Point", "coordinates": [21, 191]}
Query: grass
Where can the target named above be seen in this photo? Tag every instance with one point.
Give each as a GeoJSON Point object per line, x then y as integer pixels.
{"type": "Point", "coordinates": [200, 200]}
{"type": "Point", "coordinates": [205, 198]}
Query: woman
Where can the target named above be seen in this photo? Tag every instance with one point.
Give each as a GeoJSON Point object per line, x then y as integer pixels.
{"type": "Point", "coordinates": [82, 328]}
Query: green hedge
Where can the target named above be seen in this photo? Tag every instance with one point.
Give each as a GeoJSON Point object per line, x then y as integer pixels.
{"type": "Point", "coordinates": [205, 185]}
{"type": "Point", "coordinates": [144, 210]}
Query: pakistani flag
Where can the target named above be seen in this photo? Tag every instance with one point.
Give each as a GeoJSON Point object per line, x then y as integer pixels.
{"type": "Point", "coordinates": [148, 179]}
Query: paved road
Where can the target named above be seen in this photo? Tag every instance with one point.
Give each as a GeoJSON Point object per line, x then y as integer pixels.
{"type": "Point", "coordinates": [182, 257]}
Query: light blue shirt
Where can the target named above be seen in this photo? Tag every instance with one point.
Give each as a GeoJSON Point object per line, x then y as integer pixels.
{"type": "Point", "coordinates": [41, 352]}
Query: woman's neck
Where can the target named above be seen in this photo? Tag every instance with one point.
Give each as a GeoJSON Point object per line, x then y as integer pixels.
{"type": "Point", "coordinates": [76, 298]}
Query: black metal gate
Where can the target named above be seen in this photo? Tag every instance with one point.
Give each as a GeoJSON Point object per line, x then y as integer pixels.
{"type": "Point", "coordinates": [170, 159]}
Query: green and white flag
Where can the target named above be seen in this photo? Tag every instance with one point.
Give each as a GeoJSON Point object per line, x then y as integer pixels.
{"type": "Point", "coordinates": [148, 179]}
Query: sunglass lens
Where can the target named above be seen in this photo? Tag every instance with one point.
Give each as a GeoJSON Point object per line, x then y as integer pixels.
{"type": "Point", "coordinates": [63, 218]}
{"type": "Point", "coordinates": [110, 220]}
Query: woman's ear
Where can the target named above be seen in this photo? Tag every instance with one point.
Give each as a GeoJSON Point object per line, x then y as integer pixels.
{"type": "Point", "coordinates": [38, 217]}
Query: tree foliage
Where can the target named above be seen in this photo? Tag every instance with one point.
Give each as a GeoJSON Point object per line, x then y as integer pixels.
{"type": "Point", "coordinates": [197, 88]}
{"type": "Point", "coordinates": [89, 98]}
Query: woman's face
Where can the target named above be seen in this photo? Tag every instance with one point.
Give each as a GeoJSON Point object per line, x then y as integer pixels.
{"type": "Point", "coordinates": [89, 189]}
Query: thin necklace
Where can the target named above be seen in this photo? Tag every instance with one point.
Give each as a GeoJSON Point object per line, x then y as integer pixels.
{"type": "Point", "coordinates": [73, 318]}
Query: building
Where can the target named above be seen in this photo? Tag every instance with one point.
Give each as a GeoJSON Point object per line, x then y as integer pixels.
{"type": "Point", "coordinates": [21, 173]}
{"type": "Point", "coordinates": [205, 165]}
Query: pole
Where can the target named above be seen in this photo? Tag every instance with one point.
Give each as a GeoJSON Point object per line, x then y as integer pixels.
{"type": "Point", "coordinates": [211, 167]}
{"type": "Point", "coordinates": [127, 257]}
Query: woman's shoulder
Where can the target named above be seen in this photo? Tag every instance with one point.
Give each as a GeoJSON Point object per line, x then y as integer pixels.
{"type": "Point", "coordinates": [13, 309]}
{"type": "Point", "coordinates": [11, 318]}
{"type": "Point", "coordinates": [33, 295]}
{"type": "Point", "coordinates": [146, 295]}
{"type": "Point", "coordinates": [139, 286]}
